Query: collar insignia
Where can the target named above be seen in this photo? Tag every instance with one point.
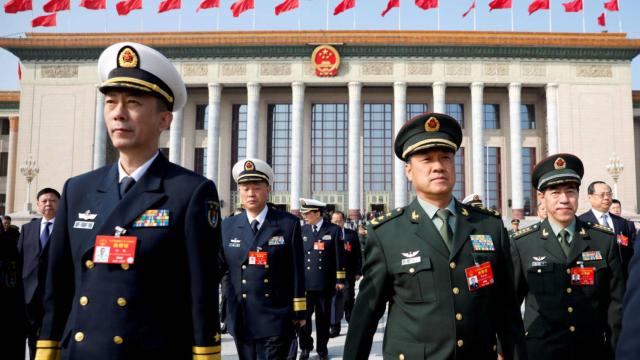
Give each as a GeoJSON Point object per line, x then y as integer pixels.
{"type": "Point", "coordinates": [410, 254]}
{"type": "Point", "coordinates": [414, 215]}
{"type": "Point", "coordinates": [87, 215]}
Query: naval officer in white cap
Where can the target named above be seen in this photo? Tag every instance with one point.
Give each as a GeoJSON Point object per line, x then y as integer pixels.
{"type": "Point", "coordinates": [154, 294]}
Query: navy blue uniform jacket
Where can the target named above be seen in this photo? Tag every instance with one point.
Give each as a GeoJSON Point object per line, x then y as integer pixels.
{"type": "Point", "coordinates": [263, 300]}
{"type": "Point", "coordinates": [324, 268]}
{"type": "Point", "coordinates": [165, 305]}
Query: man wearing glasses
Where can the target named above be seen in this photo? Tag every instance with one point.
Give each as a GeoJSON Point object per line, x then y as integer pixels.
{"type": "Point", "coordinates": [601, 198]}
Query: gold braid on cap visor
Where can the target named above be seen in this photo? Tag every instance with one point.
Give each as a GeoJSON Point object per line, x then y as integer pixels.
{"type": "Point", "coordinates": [146, 84]}
{"type": "Point", "coordinates": [427, 142]}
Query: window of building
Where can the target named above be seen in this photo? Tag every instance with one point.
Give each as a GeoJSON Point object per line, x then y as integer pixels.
{"type": "Point", "coordinates": [491, 116]}
{"type": "Point", "coordinates": [200, 161]}
{"type": "Point", "coordinates": [528, 192]}
{"type": "Point", "coordinates": [377, 146]}
{"type": "Point", "coordinates": [238, 136]}
{"type": "Point", "coordinates": [414, 110]}
{"type": "Point", "coordinates": [4, 125]}
{"type": "Point", "coordinates": [527, 117]}
{"type": "Point", "coordinates": [329, 146]}
{"type": "Point", "coordinates": [4, 163]}
{"type": "Point", "coordinates": [456, 111]}
{"type": "Point", "coordinates": [279, 154]}
{"type": "Point", "coordinates": [493, 178]}
{"type": "Point", "coordinates": [458, 188]}
{"type": "Point", "coordinates": [202, 117]}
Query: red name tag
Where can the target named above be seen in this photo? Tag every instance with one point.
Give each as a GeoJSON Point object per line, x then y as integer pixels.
{"type": "Point", "coordinates": [479, 276]}
{"type": "Point", "coordinates": [115, 250]}
{"type": "Point", "coordinates": [623, 240]}
{"type": "Point", "coordinates": [258, 258]}
{"type": "Point", "coordinates": [347, 247]}
{"type": "Point", "coordinates": [318, 245]}
{"type": "Point", "coordinates": [583, 275]}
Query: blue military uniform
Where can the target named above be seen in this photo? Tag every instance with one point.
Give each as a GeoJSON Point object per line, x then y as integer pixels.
{"type": "Point", "coordinates": [160, 302]}
{"type": "Point", "coordinates": [342, 302]}
{"type": "Point", "coordinates": [324, 268]}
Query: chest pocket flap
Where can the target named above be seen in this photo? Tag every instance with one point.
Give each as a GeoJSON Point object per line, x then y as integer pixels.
{"type": "Point", "coordinates": [414, 281]}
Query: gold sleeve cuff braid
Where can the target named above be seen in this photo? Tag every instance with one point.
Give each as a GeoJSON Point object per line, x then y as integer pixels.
{"type": "Point", "coordinates": [48, 350]}
{"type": "Point", "coordinates": [206, 352]}
{"type": "Point", "coordinates": [299, 304]}
{"type": "Point", "coordinates": [340, 275]}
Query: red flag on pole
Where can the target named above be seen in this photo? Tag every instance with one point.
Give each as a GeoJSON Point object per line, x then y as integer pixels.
{"type": "Point", "coordinates": [538, 5]}
{"type": "Point", "coordinates": [573, 6]}
{"type": "Point", "coordinates": [287, 5]}
{"type": "Point", "coordinates": [208, 4]}
{"type": "Point", "coordinates": [241, 6]}
{"type": "Point", "coordinates": [19, 72]}
{"type": "Point", "coordinates": [500, 4]}
{"type": "Point", "coordinates": [391, 5]}
{"type": "Point", "coordinates": [15, 6]}
{"type": "Point", "coordinates": [343, 6]}
{"type": "Point", "coordinates": [94, 4]}
{"type": "Point", "coordinates": [46, 20]}
{"type": "Point", "coordinates": [427, 4]}
{"type": "Point", "coordinates": [56, 5]}
{"type": "Point", "coordinates": [601, 20]}
{"type": "Point", "coordinates": [168, 5]}
{"type": "Point", "coordinates": [473, 6]}
{"type": "Point", "coordinates": [612, 5]}
{"type": "Point", "coordinates": [126, 6]}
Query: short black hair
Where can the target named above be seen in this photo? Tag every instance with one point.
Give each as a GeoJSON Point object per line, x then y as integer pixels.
{"type": "Point", "coordinates": [48, 191]}
{"type": "Point", "coordinates": [341, 214]}
{"type": "Point", "coordinates": [616, 201]}
{"type": "Point", "coordinates": [6, 217]}
{"type": "Point", "coordinates": [592, 187]}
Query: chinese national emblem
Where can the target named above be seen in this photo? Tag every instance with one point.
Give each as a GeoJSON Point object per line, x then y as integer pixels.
{"type": "Point", "coordinates": [432, 124]}
{"type": "Point", "coordinates": [326, 60]}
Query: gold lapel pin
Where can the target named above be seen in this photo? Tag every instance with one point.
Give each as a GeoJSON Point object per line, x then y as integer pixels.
{"type": "Point", "coordinates": [583, 231]}
{"type": "Point", "coordinates": [545, 233]}
{"type": "Point", "coordinates": [464, 212]}
{"type": "Point", "coordinates": [414, 215]}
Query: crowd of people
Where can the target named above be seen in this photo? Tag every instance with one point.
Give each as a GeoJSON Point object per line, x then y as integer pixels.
{"type": "Point", "coordinates": [127, 262]}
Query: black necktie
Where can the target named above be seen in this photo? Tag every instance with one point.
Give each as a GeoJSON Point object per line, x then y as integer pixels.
{"type": "Point", "coordinates": [126, 184]}
{"type": "Point", "coordinates": [44, 235]}
{"type": "Point", "coordinates": [254, 226]}
{"type": "Point", "coordinates": [315, 230]}
{"type": "Point", "coordinates": [564, 242]}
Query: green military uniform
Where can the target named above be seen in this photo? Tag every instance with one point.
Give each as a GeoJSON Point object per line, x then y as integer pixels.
{"type": "Point", "coordinates": [435, 310]}
{"type": "Point", "coordinates": [573, 302]}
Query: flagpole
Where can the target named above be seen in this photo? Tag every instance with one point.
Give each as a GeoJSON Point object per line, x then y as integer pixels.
{"type": "Point", "coordinates": [218, 19]}
{"type": "Point", "coordinates": [399, 18]}
{"type": "Point", "coordinates": [354, 18]}
{"type": "Point", "coordinates": [550, 28]}
{"type": "Point", "coordinates": [584, 24]}
{"type": "Point", "coordinates": [438, 12]}
{"type": "Point", "coordinates": [326, 13]}
{"type": "Point", "coordinates": [254, 19]}
{"type": "Point", "coordinates": [474, 16]}
{"type": "Point", "coordinates": [619, 15]}
{"type": "Point", "coordinates": [180, 18]}
{"type": "Point", "coordinates": [512, 26]}
{"type": "Point", "coordinates": [141, 22]}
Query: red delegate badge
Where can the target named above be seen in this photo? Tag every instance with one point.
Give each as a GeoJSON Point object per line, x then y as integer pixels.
{"type": "Point", "coordinates": [318, 245]}
{"type": "Point", "coordinates": [115, 249]}
{"type": "Point", "coordinates": [583, 275]}
{"type": "Point", "coordinates": [479, 276]}
{"type": "Point", "coordinates": [623, 240]}
{"type": "Point", "coordinates": [258, 258]}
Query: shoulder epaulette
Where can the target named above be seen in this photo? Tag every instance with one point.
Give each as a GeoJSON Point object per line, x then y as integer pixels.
{"type": "Point", "coordinates": [486, 211]}
{"type": "Point", "coordinates": [528, 230]}
{"type": "Point", "coordinates": [386, 217]}
{"type": "Point", "coordinates": [602, 228]}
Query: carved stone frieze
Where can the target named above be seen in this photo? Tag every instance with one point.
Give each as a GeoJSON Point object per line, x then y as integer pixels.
{"type": "Point", "coordinates": [458, 69]}
{"type": "Point", "coordinates": [275, 69]}
{"type": "Point", "coordinates": [534, 70]}
{"type": "Point", "coordinates": [594, 71]}
{"type": "Point", "coordinates": [59, 71]}
{"type": "Point", "coordinates": [195, 70]}
{"type": "Point", "coordinates": [377, 68]}
{"type": "Point", "coordinates": [419, 68]}
{"type": "Point", "coordinates": [233, 69]}
{"type": "Point", "coordinates": [496, 69]}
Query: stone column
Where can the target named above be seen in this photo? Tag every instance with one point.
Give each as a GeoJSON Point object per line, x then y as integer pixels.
{"type": "Point", "coordinates": [552, 118]}
{"type": "Point", "coordinates": [253, 118]}
{"type": "Point", "coordinates": [99, 134]}
{"type": "Point", "coordinates": [355, 132]}
{"type": "Point", "coordinates": [399, 118]}
{"type": "Point", "coordinates": [297, 139]}
{"type": "Point", "coordinates": [515, 138]}
{"type": "Point", "coordinates": [11, 166]}
{"type": "Point", "coordinates": [439, 91]}
{"type": "Point", "coordinates": [175, 138]}
{"type": "Point", "coordinates": [213, 130]}
{"type": "Point", "coordinates": [477, 137]}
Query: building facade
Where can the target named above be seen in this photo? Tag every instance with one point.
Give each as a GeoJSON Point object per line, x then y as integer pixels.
{"type": "Point", "coordinates": [518, 97]}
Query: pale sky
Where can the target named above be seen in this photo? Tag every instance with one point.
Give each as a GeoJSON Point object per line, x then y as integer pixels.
{"type": "Point", "coordinates": [312, 16]}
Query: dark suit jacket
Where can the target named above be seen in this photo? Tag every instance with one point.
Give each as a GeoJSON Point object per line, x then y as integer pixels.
{"type": "Point", "coordinates": [432, 312]}
{"type": "Point", "coordinates": [621, 229]}
{"type": "Point", "coordinates": [162, 305]}
{"type": "Point", "coordinates": [324, 268]}
{"type": "Point", "coordinates": [628, 346]}
{"type": "Point", "coordinates": [12, 319]}
{"type": "Point", "coordinates": [591, 328]}
{"type": "Point", "coordinates": [33, 266]}
{"type": "Point", "coordinates": [353, 255]}
{"type": "Point", "coordinates": [262, 301]}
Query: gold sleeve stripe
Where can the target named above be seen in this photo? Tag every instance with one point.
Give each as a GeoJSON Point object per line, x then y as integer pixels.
{"type": "Point", "coordinates": [48, 344]}
{"type": "Point", "coordinates": [300, 299]}
{"type": "Point", "coordinates": [299, 306]}
{"type": "Point", "coordinates": [207, 357]}
{"type": "Point", "coordinates": [206, 350]}
{"type": "Point", "coordinates": [48, 354]}
{"type": "Point", "coordinates": [341, 274]}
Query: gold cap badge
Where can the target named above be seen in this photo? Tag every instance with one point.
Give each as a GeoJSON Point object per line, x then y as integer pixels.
{"type": "Point", "coordinates": [248, 166]}
{"type": "Point", "coordinates": [432, 124]}
{"type": "Point", "coordinates": [559, 164]}
{"type": "Point", "coordinates": [127, 58]}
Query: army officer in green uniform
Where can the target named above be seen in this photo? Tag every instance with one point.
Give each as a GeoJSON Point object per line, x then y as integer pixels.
{"type": "Point", "coordinates": [444, 268]}
{"type": "Point", "coordinates": [568, 272]}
